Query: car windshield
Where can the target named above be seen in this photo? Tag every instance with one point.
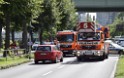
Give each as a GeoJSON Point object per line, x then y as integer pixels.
{"type": "Point", "coordinates": [44, 48]}
{"type": "Point", "coordinates": [88, 36]}
{"type": "Point", "coordinates": [66, 38]}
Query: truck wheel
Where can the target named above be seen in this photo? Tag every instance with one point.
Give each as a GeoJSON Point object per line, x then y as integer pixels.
{"type": "Point", "coordinates": [43, 61]}
{"type": "Point", "coordinates": [120, 52]}
{"type": "Point", "coordinates": [106, 56]}
{"type": "Point", "coordinates": [79, 58]}
{"type": "Point", "coordinates": [103, 57]}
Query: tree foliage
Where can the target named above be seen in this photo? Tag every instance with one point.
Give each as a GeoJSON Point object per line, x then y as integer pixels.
{"type": "Point", "coordinates": [47, 16]}
{"type": "Point", "coordinates": [117, 27]}
{"type": "Point", "coordinates": [57, 15]}
{"type": "Point", "coordinates": [20, 12]}
{"type": "Point", "coordinates": [68, 14]}
{"type": "Point", "coordinates": [1, 1]}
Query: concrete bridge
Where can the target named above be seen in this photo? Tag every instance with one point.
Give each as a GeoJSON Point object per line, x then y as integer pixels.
{"type": "Point", "coordinates": [99, 5]}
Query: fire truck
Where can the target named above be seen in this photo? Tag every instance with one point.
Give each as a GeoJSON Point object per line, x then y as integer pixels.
{"type": "Point", "coordinates": [68, 42]}
{"type": "Point", "coordinates": [91, 41]}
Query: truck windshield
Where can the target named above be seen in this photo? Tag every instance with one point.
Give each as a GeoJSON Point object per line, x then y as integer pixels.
{"type": "Point", "coordinates": [66, 38]}
{"type": "Point", "coordinates": [88, 36]}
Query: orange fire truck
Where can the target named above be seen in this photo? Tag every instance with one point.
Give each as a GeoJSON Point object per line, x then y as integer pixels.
{"type": "Point", "coordinates": [68, 41]}
{"type": "Point", "coordinates": [91, 39]}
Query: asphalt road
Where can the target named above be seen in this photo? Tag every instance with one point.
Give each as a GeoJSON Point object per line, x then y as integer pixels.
{"type": "Point", "coordinates": [70, 68]}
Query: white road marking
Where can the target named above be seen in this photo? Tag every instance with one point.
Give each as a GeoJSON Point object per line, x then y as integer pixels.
{"type": "Point", "coordinates": [47, 73]}
{"type": "Point", "coordinates": [60, 67]}
{"type": "Point", "coordinates": [114, 70]}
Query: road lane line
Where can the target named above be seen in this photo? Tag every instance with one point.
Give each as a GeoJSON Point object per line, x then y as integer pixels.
{"type": "Point", "coordinates": [47, 73]}
{"type": "Point", "coordinates": [60, 67]}
{"type": "Point", "coordinates": [114, 70]}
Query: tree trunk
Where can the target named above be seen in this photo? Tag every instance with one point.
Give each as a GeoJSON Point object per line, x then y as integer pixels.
{"type": "Point", "coordinates": [24, 35]}
{"type": "Point", "coordinates": [31, 34]}
{"type": "Point", "coordinates": [13, 35]}
{"type": "Point", "coordinates": [40, 35]}
{"type": "Point", "coordinates": [32, 39]}
{"type": "Point", "coordinates": [0, 34]}
{"type": "Point", "coordinates": [7, 37]}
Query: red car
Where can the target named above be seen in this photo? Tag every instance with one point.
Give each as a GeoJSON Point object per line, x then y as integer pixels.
{"type": "Point", "coordinates": [48, 52]}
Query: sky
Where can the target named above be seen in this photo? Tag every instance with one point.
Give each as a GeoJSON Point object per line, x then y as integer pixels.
{"type": "Point", "coordinates": [93, 14]}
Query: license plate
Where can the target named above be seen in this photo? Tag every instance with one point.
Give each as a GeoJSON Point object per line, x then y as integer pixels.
{"type": "Point", "coordinates": [65, 51]}
{"type": "Point", "coordinates": [88, 53]}
{"type": "Point", "coordinates": [43, 54]}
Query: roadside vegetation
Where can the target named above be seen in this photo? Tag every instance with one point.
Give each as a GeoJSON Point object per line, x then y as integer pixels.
{"type": "Point", "coordinates": [14, 60]}
{"type": "Point", "coordinates": [9, 61]}
{"type": "Point", "coordinates": [117, 27]}
{"type": "Point", "coordinates": [120, 68]}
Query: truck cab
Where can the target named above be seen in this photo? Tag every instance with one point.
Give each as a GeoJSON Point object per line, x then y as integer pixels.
{"type": "Point", "coordinates": [68, 42]}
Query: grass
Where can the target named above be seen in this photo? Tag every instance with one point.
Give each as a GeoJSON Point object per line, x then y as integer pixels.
{"type": "Point", "coordinates": [9, 62]}
{"type": "Point", "coordinates": [120, 68]}
{"type": "Point", "coordinates": [1, 53]}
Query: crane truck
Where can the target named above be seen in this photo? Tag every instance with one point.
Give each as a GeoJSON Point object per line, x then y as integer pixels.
{"type": "Point", "coordinates": [90, 41]}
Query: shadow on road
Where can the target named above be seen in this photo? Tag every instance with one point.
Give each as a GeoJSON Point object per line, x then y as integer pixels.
{"type": "Point", "coordinates": [46, 63]}
{"type": "Point", "coordinates": [82, 61]}
{"type": "Point", "coordinates": [113, 55]}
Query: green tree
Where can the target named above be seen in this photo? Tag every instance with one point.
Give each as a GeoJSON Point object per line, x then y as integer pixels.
{"type": "Point", "coordinates": [1, 25]}
{"type": "Point", "coordinates": [15, 26]}
{"type": "Point", "coordinates": [31, 10]}
{"type": "Point", "coordinates": [117, 27]}
{"type": "Point", "coordinates": [25, 10]}
{"type": "Point", "coordinates": [1, 22]}
{"type": "Point", "coordinates": [57, 15]}
{"type": "Point", "coordinates": [68, 14]}
{"type": "Point", "coordinates": [49, 18]}
{"type": "Point", "coordinates": [1, 1]}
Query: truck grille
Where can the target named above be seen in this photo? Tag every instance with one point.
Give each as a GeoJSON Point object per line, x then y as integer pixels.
{"type": "Point", "coordinates": [65, 46]}
{"type": "Point", "coordinates": [89, 47]}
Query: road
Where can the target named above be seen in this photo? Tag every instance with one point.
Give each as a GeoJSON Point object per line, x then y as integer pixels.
{"type": "Point", "coordinates": [70, 68]}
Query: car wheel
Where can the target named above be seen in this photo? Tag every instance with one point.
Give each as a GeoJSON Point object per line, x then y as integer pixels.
{"type": "Point", "coordinates": [64, 55]}
{"type": "Point", "coordinates": [36, 62]}
{"type": "Point", "coordinates": [56, 60]}
{"type": "Point", "coordinates": [61, 60]}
